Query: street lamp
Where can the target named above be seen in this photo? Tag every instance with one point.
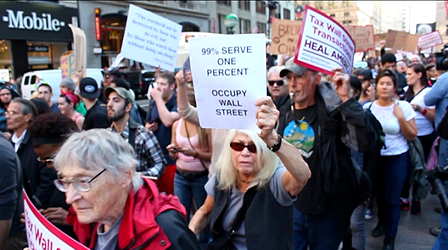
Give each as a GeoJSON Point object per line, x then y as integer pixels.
{"type": "Point", "coordinates": [230, 22]}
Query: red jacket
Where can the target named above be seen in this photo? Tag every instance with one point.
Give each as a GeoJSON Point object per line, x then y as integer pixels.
{"type": "Point", "coordinates": [138, 228]}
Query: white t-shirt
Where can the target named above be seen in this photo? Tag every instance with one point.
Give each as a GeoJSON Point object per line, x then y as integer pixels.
{"type": "Point", "coordinates": [424, 126]}
{"type": "Point", "coordinates": [395, 142]}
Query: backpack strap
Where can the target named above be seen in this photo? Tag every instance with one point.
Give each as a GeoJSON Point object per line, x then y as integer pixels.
{"type": "Point", "coordinates": [248, 197]}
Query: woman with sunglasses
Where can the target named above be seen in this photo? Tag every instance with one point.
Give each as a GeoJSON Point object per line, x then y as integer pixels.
{"type": "Point", "coordinates": [397, 120]}
{"type": "Point", "coordinates": [251, 189]}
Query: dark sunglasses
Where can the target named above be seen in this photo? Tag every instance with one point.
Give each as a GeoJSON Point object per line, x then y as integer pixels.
{"type": "Point", "coordinates": [239, 146]}
{"type": "Point", "coordinates": [279, 83]}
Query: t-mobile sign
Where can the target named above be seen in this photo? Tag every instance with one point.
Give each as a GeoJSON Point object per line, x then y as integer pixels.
{"type": "Point", "coordinates": [35, 21]}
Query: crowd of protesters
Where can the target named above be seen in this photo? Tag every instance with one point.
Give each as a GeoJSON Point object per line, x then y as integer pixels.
{"type": "Point", "coordinates": [115, 177]}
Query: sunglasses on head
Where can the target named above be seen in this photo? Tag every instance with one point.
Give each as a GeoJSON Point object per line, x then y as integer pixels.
{"type": "Point", "coordinates": [279, 83]}
{"type": "Point", "coordinates": [239, 146]}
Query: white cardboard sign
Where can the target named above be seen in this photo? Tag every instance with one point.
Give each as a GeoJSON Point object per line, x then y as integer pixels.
{"type": "Point", "coordinates": [150, 39]}
{"type": "Point", "coordinates": [324, 44]}
{"type": "Point", "coordinates": [41, 234]}
{"type": "Point", "coordinates": [429, 40]}
{"type": "Point", "coordinates": [229, 74]}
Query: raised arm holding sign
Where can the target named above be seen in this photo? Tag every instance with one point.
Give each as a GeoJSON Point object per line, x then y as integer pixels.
{"type": "Point", "coordinates": [324, 44]}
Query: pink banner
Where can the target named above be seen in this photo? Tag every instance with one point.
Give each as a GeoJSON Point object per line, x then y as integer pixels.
{"type": "Point", "coordinates": [42, 234]}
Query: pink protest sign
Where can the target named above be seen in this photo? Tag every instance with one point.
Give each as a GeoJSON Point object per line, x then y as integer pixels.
{"type": "Point", "coordinates": [324, 44]}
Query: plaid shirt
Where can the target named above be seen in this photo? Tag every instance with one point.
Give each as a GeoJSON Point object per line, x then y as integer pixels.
{"type": "Point", "coordinates": [147, 151]}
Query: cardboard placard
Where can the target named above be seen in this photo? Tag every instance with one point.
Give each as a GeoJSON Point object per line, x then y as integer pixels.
{"type": "Point", "coordinates": [363, 36]}
{"type": "Point", "coordinates": [150, 39]}
{"type": "Point", "coordinates": [400, 40]}
{"type": "Point", "coordinates": [227, 72]}
{"type": "Point", "coordinates": [41, 234]}
{"type": "Point", "coordinates": [284, 37]}
{"type": "Point", "coordinates": [429, 40]}
{"type": "Point", "coordinates": [324, 44]}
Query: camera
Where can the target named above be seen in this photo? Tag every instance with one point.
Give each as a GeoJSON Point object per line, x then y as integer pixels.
{"type": "Point", "coordinates": [436, 178]}
{"type": "Point", "coordinates": [442, 59]}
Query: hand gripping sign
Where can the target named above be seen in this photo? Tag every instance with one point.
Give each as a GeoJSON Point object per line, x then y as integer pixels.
{"type": "Point", "coordinates": [324, 44]}
{"type": "Point", "coordinates": [42, 235]}
{"type": "Point", "coordinates": [229, 73]}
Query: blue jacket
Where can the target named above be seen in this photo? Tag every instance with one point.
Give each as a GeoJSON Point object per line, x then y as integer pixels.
{"type": "Point", "coordinates": [438, 96]}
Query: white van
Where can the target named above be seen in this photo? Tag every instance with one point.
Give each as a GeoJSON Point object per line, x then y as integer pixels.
{"type": "Point", "coordinates": [53, 77]}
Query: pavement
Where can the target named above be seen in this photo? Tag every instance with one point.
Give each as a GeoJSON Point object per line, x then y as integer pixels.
{"type": "Point", "coordinates": [413, 230]}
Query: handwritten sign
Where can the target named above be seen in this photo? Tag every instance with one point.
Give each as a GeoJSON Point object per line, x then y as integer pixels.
{"type": "Point", "coordinates": [284, 37]}
{"type": "Point", "coordinates": [363, 37]}
{"type": "Point", "coordinates": [429, 40]}
{"type": "Point", "coordinates": [150, 39]}
{"type": "Point", "coordinates": [42, 235]}
{"type": "Point", "coordinates": [228, 73]}
{"type": "Point", "coordinates": [324, 44]}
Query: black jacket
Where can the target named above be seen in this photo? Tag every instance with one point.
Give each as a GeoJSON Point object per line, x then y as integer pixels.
{"type": "Point", "coordinates": [334, 182]}
{"type": "Point", "coordinates": [268, 225]}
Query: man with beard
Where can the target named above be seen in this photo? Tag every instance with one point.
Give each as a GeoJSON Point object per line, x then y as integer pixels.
{"type": "Point", "coordinates": [147, 148]}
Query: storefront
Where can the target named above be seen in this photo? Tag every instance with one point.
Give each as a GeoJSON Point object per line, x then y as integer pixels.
{"type": "Point", "coordinates": [33, 35]}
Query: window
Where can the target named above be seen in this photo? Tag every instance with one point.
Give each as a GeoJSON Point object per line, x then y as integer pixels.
{"type": "Point", "coordinates": [346, 14]}
{"type": "Point", "coordinates": [225, 2]}
{"type": "Point", "coordinates": [333, 15]}
{"type": "Point", "coordinates": [260, 7]}
{"type": "Point", "coordinates": [446, 32]}
{"type": "Point", "coordinates": [245, 26]}
{"type": "Point", "coordinates": [261, 27]}
{"type": "Point", "coordinates": [244, 5]}
{"type": "Point", "coordinates": [286, 14]}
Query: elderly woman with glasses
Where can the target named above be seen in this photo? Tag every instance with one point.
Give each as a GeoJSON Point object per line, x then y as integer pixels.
{"type": "Point", "coordinates": [398, 121]}
{"type": "Point", "coordinates": [249, 199]}
{"type": "Point", "coordinates": [112, 206]}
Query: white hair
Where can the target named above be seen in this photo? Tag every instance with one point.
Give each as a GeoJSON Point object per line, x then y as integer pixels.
{"type": "Point", "coordinates": [265, 165]}
{"type": "Point", "coordinates": [98, 149]}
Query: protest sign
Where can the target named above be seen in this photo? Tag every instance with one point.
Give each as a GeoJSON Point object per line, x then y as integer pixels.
{"type": "Point", "coordinates": [324, 44]}
{"type": "Point", "coordinates": [4, 75]}
{"type": "Point", "coordinates": [41, 234]}
{"type": "Point", "coordinates": [429, 40]}
{"type": "Point", "coordinates": [363, 37]}
{"type": "Point", "coordinates": [400, 40]}
{"type": "Point", "coordinates": [80, 53]}
{"type": "Point", "coordinates": [150, 38]}
{"type": "Point", "coordinates": [67, 65]}
{"type": "Point", "coordinates": [284, 37]}
{"type": "Point", "coordinates": [184, 44]}
{"type": "Point", "coordinates": [230, 74]}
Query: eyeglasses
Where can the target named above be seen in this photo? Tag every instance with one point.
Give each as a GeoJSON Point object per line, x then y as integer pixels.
{"type": "Point", "coordinates": [279, 83]}
{"type": "Point", "coordinates": [48, 160]}
{"type": "Point", "coordinates": [239, 146]}
{"type": "Point", "coordinates": [79, 185]}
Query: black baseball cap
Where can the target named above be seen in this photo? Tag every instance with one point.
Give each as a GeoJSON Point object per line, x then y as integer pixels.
{"type": "Point", "coordinates": [88, 88]}
{"type": "Point", "coordinates": [365, 73]}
